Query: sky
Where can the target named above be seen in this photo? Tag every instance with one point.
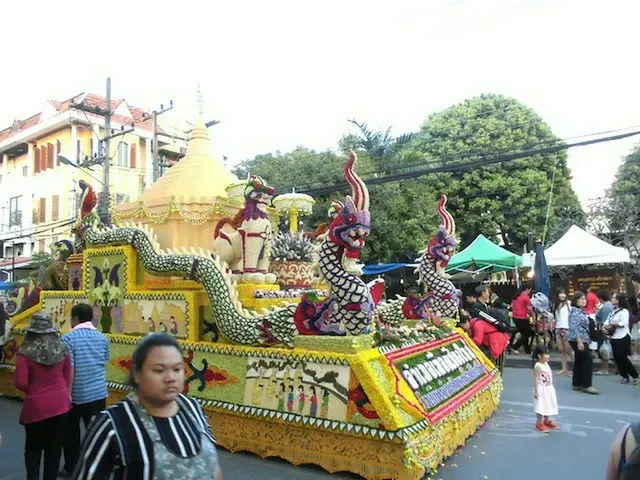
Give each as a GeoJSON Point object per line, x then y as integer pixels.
{"type": "Point", "coordinates": [279, 74]}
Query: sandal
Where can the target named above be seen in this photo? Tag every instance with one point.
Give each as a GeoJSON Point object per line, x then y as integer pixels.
{"type": "Point", "coordinates": [551, 424]}
{"type": "Point", "coordinates": [600, 372]}
{"type": "Point", "coordinates": [565, 373]}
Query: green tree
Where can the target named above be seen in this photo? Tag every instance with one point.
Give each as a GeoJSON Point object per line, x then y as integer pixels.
{"type": "Point", "coordinates": [505, 201]}
{"type": "Point", "coordinates": [39, 259]}
{"type": "Point", "coordinates": [617, 214]}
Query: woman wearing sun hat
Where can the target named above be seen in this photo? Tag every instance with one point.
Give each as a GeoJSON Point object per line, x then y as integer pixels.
{"type": "Point", "coordinates": [43, 373]}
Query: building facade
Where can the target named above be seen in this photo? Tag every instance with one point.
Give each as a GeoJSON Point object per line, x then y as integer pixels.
{"type": "Point", "coordinates": [38, 193]}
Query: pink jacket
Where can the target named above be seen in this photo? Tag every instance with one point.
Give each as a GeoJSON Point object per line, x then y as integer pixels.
{"type": "Point", "coordinates": [46, 388]}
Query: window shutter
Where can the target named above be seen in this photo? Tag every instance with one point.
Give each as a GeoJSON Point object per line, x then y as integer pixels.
{"type": "Point", "coordinates": [36, 160]}
{"type": "Point", "coordinates": [50, 155]}
{"type": "Point", "coordinates": [41, 244]}
{"type": "Point", "coordinates": [35, 216]}
{"type": "Point", "coordinates": [55, 206]}
{"type": "Point", "coordinates": [43, 210]}
{"type": "Point", "coordinates": [43, 158]}
{"type": "Point", "coordinates": [132, 156]}
{"type": "Point", "coordinates": [58, 150]}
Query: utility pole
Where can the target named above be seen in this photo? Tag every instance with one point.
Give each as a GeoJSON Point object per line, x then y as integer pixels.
{"type": "Point", "coordinates": [103, 198]}
{"type": "Point", "coordinates": [104, 211]}
{"type": "Point", "coordinates": [13, 261]}
{"type": "Point", "coordinates": [154, 153]}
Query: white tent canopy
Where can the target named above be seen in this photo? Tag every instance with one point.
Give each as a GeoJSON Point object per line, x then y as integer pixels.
{"type": "Point", "coordinates": [578, 247]}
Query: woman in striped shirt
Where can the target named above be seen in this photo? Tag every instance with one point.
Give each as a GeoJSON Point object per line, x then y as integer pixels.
{"type": "Point", "coordinates": [155, 433]}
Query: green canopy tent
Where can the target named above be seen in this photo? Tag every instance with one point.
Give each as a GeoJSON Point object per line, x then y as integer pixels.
{"type": "Point", "coordinates": [483, 256]}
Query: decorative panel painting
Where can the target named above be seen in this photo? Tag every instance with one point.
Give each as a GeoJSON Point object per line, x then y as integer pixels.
{"type": "Point", "coordinates": [208, 375]}
{"type": "Point", "coordinates": [147, 315]}
{"type": "Point", "coordinates": [60, 309]}
{"type": "Point", "coordinates": [296, 386]}
{"type": "Point", "coordinates": [105, 284]}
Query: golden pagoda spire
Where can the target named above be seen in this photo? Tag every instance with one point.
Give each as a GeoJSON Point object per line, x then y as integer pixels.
{"type": "Point", "coordinates": [199, 100]}
{"type": "Point", "coordinates": [198, 174]}
{"type": "Point", "coordinates": [200, 130]}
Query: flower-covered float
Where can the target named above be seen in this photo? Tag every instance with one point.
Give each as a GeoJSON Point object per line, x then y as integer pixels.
{"type": "Point", "coordinates": [324, 376]}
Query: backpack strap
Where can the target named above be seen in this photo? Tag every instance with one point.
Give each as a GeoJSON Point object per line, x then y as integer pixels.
{"type": "Point", "coordinates": [635, 431]}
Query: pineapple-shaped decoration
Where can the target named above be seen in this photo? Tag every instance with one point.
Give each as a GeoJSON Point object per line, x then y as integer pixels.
{"type": "Point", "coordinates": [291, 260]}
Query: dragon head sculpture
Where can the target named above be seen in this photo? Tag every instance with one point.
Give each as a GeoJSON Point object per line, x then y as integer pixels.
{"type": "Point", "coordinates": [258, 192]}
{"type": "Point", "coordinates": [444, 243]}
{"type": "Point", "coordinates": [62, 249]}
{"type": "Point", "coordinates": [351, 222]}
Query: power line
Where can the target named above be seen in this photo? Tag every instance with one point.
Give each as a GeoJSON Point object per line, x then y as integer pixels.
{"type": "Point", "coordinates": [23, 230]}
{"type": "Point", "coordinates": [483, 154]}
{"type": "Point", "coordinates": [462, 167]}
{"type": "Point", "coordinates": [421, 135]}
{"type": "Point", "coordinates": [467, 154]}
{"type": "Point", "coordinates": [37, 232]}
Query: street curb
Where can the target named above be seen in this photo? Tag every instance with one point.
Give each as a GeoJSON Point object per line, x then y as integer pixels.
{"type": "Point", "coordinates": [525, 361]}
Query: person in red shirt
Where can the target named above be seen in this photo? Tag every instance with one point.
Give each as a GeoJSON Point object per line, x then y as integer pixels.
{"type": "Point", "coordinates": [487, 336]}
{"type": "Point", "coordinates": [43, 373]}
{"type": "Point", "coordinates": [592, 299]}
{"type": "Point", "coordinates": [520, 309]}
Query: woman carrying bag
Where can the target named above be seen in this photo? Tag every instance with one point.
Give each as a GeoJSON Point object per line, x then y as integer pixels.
{"type": "Point", "coordinates": [617, 327]}
{"type": "Point", "coordinates": [43, 373]}
{"type": "Point", "coordinates": [579, 339]}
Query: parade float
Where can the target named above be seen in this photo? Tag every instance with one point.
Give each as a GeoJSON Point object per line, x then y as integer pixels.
{"type": "Point", "coordinates": [327, 375]}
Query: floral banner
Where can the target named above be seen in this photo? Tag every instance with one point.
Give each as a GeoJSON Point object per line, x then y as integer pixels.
{"type": "Point", "coordinates": [441, 374]}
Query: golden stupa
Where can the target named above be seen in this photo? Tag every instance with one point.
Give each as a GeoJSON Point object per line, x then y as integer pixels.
{"type": "Point", "coordinates": [185, 204]}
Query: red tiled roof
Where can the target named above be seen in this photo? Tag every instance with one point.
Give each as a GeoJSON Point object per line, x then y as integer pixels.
{"type": "Point", "coordinates": [136, 115]}
{"type": "Point", "coordinates": [9, 261]}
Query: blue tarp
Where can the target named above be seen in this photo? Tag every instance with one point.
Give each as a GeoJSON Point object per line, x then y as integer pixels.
{"type": "Point", "coordinates": [382, 268]}
{"type": "Point", "coordinates": [7, 285]}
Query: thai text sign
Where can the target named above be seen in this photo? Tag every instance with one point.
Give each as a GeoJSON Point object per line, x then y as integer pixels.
{"type": "Point", "coordinates": [438, 373]}
{"type": "Point", "coordinates": [606, 279]}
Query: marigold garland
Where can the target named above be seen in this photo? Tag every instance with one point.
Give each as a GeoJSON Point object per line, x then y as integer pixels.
{"type": "Point", "coordinates": [196, 218]}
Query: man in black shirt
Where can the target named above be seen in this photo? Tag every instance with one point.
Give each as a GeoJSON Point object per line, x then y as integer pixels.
{"type": "Point", "coordinates": [482, 294]}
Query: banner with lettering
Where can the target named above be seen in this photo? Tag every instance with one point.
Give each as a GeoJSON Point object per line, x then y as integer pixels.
{"type": "Point", "coordinates": [442, 374]}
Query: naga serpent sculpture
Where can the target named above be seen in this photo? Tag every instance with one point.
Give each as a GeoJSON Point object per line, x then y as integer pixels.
{"type": "Point", "coordinates": [349, 308]}
{"type": "Point", "coordinates": [441, 297]}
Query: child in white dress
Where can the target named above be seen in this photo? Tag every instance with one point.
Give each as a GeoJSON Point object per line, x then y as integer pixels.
{"type": "Point", "coordinates": [544, 393]}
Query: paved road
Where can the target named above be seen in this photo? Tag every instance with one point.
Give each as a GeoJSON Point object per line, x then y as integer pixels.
{"type": "Point", "coordinates": [506, 447]}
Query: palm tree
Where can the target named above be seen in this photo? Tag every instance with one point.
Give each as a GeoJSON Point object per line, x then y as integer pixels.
{"type": "Point", "coordinates": [379, 145]}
